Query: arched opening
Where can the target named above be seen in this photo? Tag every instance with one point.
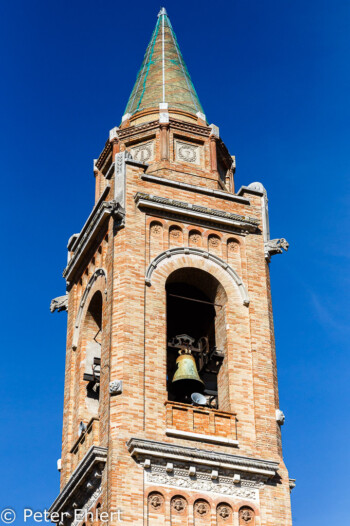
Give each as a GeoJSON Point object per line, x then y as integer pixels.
{"type": "Point", "coordinates": [196, 331]}
{"type": "Point", "coordinates": [91, 346]}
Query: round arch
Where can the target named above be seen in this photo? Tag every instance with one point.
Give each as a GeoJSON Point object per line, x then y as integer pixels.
{"type": "Point", "coordinates": [177, 252]}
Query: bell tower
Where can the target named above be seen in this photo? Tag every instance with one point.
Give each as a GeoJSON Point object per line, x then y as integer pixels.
{"type": "Point", "coordinates": [171, 411]}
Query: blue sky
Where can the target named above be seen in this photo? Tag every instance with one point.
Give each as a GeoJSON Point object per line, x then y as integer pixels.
{"type": "Point", "coordinates": [275, 77]}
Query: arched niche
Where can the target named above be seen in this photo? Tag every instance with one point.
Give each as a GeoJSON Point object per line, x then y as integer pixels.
{"type": "Point", "coordinates": [99, 273]}
{"type": "Point", "coordinates": [196, 306]}
{"type": "Point", "coordinates": [90, 352]}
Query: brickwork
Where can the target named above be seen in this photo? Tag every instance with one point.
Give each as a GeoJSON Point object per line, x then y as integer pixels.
{"type": "Point", "coordinates": [131, 328]}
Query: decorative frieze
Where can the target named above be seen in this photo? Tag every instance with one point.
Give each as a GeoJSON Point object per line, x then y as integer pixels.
{"type": "Point", "coordinates": [250, 468]}
{"type": "Point", "coordinates": [172, 208]}
{"type": "Point", "coordinates": [201, 481]}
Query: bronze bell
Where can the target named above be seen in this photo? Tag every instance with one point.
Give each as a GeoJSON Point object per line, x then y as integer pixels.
{"type": "Point", "coordinates": [186, 379]}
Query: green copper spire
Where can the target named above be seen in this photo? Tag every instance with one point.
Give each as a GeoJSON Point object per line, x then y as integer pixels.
{"type": "Point", "coordinates": [163, 76]}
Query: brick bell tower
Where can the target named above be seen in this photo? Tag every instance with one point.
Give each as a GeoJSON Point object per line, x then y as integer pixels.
{"type": "Point", "coordinates": [171, 412]}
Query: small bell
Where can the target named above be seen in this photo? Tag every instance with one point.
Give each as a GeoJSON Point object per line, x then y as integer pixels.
{"type": "Point", "coordinates": [186, 379]}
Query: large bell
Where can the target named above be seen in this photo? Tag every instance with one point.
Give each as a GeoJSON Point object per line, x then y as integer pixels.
{"type": "Point", "coordinates": [186, 379]}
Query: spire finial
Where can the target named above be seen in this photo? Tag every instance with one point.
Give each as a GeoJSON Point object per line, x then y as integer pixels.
{"type": "Point", "coordinates": [162, 11]}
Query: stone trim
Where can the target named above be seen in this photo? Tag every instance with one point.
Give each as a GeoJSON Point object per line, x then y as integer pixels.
{"type": "Point", "coordinates": [125, 133]}
{"type": "Point", "coordinates": [82, 437]}
{"type": "Point", "coordinates": [248, 190]}
{"type": "Point", "coordinates": [142, 448]}
{"type": "Point", "coordinates": [201, 438]}
{"type": "Point", "coordinates": [246, 223]}
{"type": "Point", "coordinates": [193, 251]}
{"type": "Point", "coordinates": [91, 229]}
{"type": "Point", "coordinates": [132, 162]}
{"type": "Point", "coordinates": [197, 189]}
{"type": "Point", "coordinates": [95, 455]}
{"type": "Point", "coordinates": [103, 155]}
{"type": "Point", "coordinates": [73, 240]}
{"type": "Point", "coordinates": [188, 127]}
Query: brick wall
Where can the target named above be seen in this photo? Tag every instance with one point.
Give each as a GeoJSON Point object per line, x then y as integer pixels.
{"type": "Point", "coordinates": [134, 329]}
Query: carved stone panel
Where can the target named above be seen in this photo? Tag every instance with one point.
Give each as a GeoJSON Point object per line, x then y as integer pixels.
{"type": "Point", "coordinates": [187, 153]}
{"type": "Point", "coordinates": [224, 514]}
{"type": "Point", "coordinates": [175, 236]}
{"type": "Point", "coordinates": [234, 254]}
{"type": "Point", "coordinates": [156, 501]}
{"type": "Point", "coordinates": [202, 512]}
{"type": "Point", "coordinates": [214, 244]}
{"type": "Point", "coordinates": [179, 511]}
{"type": "Point", "coordinates": [143, 153]}
{"type": "Point", "coordinates": [156, 509]}
{"type": "Point", "coordinates": [156, 238]}
{"type": "Point", "coordinates": [246, 517]}
{"type": "Point", "coordinates": [195, 238]}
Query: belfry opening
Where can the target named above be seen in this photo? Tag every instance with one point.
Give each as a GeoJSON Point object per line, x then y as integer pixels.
{"type": "Point", "coordinates": [91, 347]}
{"type": "Point", "coordinates": [195, 328]}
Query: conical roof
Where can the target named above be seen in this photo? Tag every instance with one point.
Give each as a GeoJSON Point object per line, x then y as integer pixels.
{"type": "Point", "coordinates": [163, 76]}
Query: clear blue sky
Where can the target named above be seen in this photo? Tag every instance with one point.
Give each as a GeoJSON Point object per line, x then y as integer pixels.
{"type": "Point", "coordinates": [275, 77]}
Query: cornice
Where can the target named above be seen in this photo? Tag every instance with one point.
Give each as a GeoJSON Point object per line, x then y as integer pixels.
{"type": "Point", "coordinates": [194, 188]}
{"type": "Point", "coordinates": [188, 127]}
{"type": "Point", "coordinates": [101, 212]}
{"type": "Point", "coordinates": [95, 455]}
{"type": "Point", "coordinates": [141, 448]}
{"type": "Point", "coordinates": [130, 131]}
{"type": "Point", "coordinates": [183, 126]}
{"type": "Point", "coordinates": [74, 239]}
{"type": "Point", "coordinates": [103, 155]}
{"type": "Point", "coordinates": [180, 208]}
